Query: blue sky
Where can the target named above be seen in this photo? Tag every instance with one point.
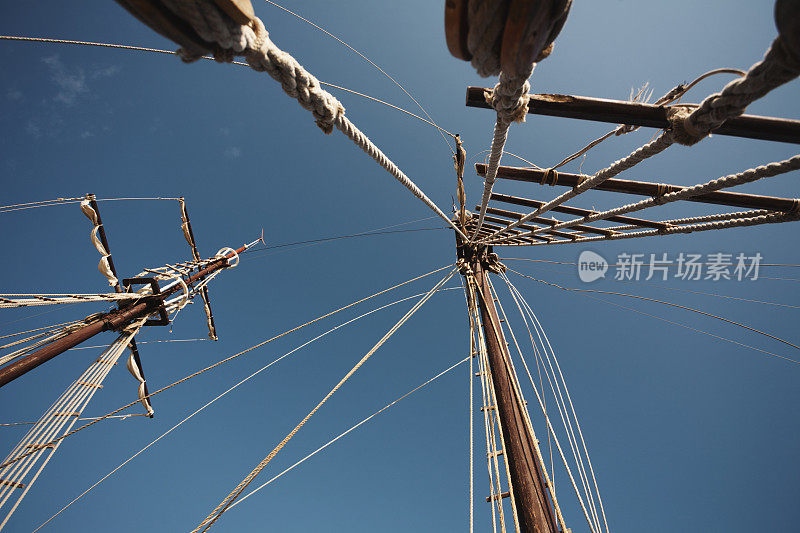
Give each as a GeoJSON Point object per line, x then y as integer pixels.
{"type": "Point", "coordinates": [687, 432]}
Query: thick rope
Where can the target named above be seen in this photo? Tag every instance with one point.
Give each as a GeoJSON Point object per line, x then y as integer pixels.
{"type": "Point", "coordinates": [263, 55]}
{"type": "Point", "coordinates": [486, 38]}
{"type": "Point", "coordinates": [206, 524]}
{"type": "Point", "coordinates": [169, 52]}
{"type": "Point", "coordinates": [641, 96]}
{"type": "Point", "coordinates": [778, 67]}
{"type": "Point", "coordinates": [429, 120]}
{"type": "Point", "coordinates": [750, 175]}
{"type": "Point", "coordinates": [704, 218]}
{"type": "Point", "coordinates": [510, 99]}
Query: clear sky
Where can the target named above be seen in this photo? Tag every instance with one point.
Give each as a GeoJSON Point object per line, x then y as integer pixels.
{"type": "Point", "coordinates": [687, 432]}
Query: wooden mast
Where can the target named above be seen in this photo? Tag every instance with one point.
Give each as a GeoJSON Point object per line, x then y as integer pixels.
{"type": "Point", "coordinates": [532, 504]}
{"type": "Point", "coordinates": [112, 320]}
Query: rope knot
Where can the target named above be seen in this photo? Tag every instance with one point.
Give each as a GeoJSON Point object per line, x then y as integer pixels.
{"type": "Point", "coordinates": [683, 129]}
{"type": "Point", "coordinates": [510, 99]}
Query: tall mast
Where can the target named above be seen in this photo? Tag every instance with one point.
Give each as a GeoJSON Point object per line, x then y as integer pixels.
{"type": "Point", "coordinates": [115, 320]}
{"type": "Point", "coordinates": [532, 505]}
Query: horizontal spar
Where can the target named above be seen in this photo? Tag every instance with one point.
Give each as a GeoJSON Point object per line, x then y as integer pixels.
{"type": "Point", "coordinates": [646, 188]}
{"type": "Point", "coordinates": [639, 114]}
{"type": "Point", "coordinates": [576, 211]}
{"type": "Point", "coordinates": [548, 222]}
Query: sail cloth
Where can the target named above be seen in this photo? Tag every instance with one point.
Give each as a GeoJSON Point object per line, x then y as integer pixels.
{"type": "Point", "coordinates": [103, 266]}
{"type": "Point", "coordinates": [137, 372]}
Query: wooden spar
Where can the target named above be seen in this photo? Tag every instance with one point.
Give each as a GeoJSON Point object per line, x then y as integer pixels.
{"type": "Point", "coordinates": [212, 328]}
{"type": "Point", "coordinates": [112, 320]}
{"type": "Point", "coordinates": [532, 504]}
{"type": "Point", "coordinates": [552, 222]}
{"type": "Point", "coordinates": [575, 211]}
{"type": "Point", "coordinates": [646, 188]}
{"type": "Point", "coordinates": [639, 114]}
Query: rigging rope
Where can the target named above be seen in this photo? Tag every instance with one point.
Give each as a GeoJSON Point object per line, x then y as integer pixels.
{"type": "Point", "coordinates": [121, 417]}
{"type": "Point", "coordinates": [8, 300]}
{"type": "Point", "coordinates": [59, 418]}
{"type": "Point", "coordinates": [526, 416]}
{"type": "Point", "coordinates": [567, 426]}
{"type": "Point", "coordinates": [62, 201]}
{"type": "Point", "coordinates": [551, 430]}
{"type": "Point", "coordinates": [733, 322]}
{"type": "Point", "coordinates": [559, 381]}
{"type": "Point", "coordinates": [353, 428]}
{"type": "Point", "coordinates": [696, 330]}
{"type": "Point", "coordinates": [212, 25]}
{"type": "Point", "coordinates": [673, 95]}
{"type": "Point", "coordinates": [368, 60]}
{"type": "Point", "coordinates": [221, 395]}
{"type": "Point", "coordinates": [234, 356]}
{"type": "Point", "coordinates": [495, 491]}
{"type": "Point", "coordinates": [206, 524]}
{"type": "Point", "coordinates": [471, 423]}
{"type": "Point", "coordinates": [209, 58]}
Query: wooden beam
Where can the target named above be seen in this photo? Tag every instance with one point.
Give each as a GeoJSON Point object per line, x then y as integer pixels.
{"type": "Point", "coordinates": [646, 188]}
{"type": "Point", "coordinates": [503, 223]}
{"type": "Point", "coordinates": [639, 114]}
{"type": "Point", "coordinates": [576, 211]}
{"type": "Point", "coordinates": [548, 222]}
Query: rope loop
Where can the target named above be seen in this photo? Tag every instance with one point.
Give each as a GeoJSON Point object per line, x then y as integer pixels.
{"type": "Point", "coordinates": [223, 254]}
{"type": "Point", "coordinates": [182, 283]}
{"type": "Point", "coordinates": [663, 189]}
{"type": "Point", "coordinates": [548, 172]}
